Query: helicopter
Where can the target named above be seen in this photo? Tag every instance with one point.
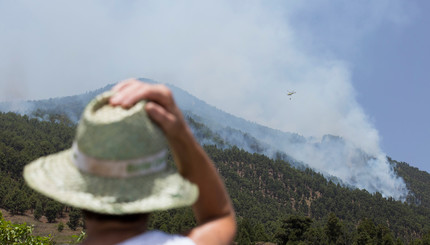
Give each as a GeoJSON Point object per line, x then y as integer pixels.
{"type": "Point", "coordinates": [289, 93]}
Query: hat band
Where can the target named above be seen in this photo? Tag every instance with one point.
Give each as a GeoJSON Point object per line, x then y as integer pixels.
{"type": "Point", "coordinates": [119, 169]}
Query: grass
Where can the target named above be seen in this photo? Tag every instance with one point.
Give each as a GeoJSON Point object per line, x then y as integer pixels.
{"type": "Point", "coordinates": [43, 228]}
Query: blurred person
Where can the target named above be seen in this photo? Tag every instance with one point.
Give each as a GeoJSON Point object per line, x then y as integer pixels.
{"type": "Point", "coordinates": [116, 171]}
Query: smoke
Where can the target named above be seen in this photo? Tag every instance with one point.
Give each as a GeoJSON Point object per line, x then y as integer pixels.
{"type": "Point", "coordinates": [334, 156]}
{"type": "Point", "coordinates": [239, 56]}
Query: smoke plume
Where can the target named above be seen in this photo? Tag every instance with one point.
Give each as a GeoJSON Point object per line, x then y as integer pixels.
{"type": "Point", "coordinates": [242, 57]}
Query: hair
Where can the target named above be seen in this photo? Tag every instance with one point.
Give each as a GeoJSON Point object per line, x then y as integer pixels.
{"type": "Point", "coordinates": [125, 218]}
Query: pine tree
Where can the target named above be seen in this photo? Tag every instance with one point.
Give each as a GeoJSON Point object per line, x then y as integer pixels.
{"type": "Point", "coordinates": [333, 229]}
{"type": "Point", "coordinates": [38, 211]}
{"type": "Point", "coordinates": [293, 229]}
{"type": "Point", "coordinates": [51, 211]}
{"type": "Point", "coordinates": [74, 217]}
{"type": "Point", "coordinates": [243, 237]}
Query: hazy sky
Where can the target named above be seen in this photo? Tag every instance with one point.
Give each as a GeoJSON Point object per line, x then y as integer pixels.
{"type": "Point", "coordinates": [360, 69]}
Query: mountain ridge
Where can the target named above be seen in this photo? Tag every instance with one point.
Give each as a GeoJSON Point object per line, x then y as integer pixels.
{"type": "Point", "coordinates": [253, 138]}
{"type": "Point", "coordinates": [266, 192]}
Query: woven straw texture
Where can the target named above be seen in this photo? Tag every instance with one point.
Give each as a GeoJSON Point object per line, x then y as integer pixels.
{"type": "Point", "coordinates": [57, 177]}
{"type": "Point", "coordinates": [111, 133]}
{"type": "Point", "coordinates": [114, 133]}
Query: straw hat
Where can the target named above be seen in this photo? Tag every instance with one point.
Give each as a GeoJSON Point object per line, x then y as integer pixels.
{"type": "Point", "coordinates": [117, 165]}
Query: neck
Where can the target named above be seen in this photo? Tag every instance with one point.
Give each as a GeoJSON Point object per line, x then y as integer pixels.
{"type": "Point", "coordinates": [112, 232]}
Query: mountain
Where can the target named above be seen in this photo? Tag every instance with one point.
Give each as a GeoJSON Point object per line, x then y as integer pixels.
{"type": "Point", "coordinates": [234, 130]}
{"type": "Point", "coordinates": [71, 106]}
{"type": "Point", "coordinates": [272, 192]}
{"type": "Point", "coordinates": [337, 159]}
{"type": "Point", "coordinates": [274, 201]}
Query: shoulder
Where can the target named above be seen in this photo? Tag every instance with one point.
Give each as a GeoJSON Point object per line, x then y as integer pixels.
{"type": "Point", "coordinates": [158, 238]}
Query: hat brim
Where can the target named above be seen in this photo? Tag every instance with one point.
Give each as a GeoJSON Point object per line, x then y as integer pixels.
{"type": "Point", "coordinates": [57, 177]}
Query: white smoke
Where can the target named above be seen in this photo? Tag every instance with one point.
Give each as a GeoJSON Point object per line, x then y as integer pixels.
{"type": "Point", "coordinates": [242, 57]}
{"type": "Point", "coordinates": [334, 156]}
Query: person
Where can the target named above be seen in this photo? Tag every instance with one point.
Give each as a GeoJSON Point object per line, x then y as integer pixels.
{"type": "Point", "coordinates": [116, 193]}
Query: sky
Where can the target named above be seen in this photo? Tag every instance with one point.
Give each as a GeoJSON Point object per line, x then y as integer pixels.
{"type": "Point", "coordinates": [359, 69]}
{"type": "Point", "coordinates": [393, 80]}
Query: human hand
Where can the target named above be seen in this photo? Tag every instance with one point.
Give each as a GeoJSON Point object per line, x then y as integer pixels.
{"type": "Point", "coordinates": [160, 106]}
{"type": "Point", "coordinates": [213, 208]}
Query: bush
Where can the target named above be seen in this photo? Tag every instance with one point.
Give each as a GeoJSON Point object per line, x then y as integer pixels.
{"type": "Point", "coordinates": [74, 217]}
{"type": "Point", "coordinates": [20, 234]}
{"type": "Point", "coordinates": [60, 227]}
{"type": "Point", "coordinates": [38, 211]}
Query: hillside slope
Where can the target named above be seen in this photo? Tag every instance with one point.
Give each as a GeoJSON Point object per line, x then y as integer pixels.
{"type": "Point", "coordinates": [265, 191]}
{"type": "Point", "coordinates": [332, 156]}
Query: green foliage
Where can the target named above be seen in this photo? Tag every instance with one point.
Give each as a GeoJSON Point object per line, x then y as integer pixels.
{"type": "Point", "coordinates": [417, 181]}
{"type": "Point", "coordinates": [23, 139]}
{"type": "Point", "coordinates": [243, 237]}
{"type": "Point", "coordinates": [293, 229]}
{"type": "Point", "coordinates": [77, 239]}
{"type": "Point", "coordinates": [426, 239]}
{"type": "Point", "coordinates": [16, 201]}
{"type": "Point", "coordinates": [51, 211]}
{"type": "Point", "coordinates": [202, 132]}
{"type": "Point", "coordinates": [334, 229]}
{"type": "Point", "coordinates": [74, 218]}
{"type": "Point", "coordinates": [265, 192]}
{"type": "Point", "coordinates": [368, 233]}
{"type": "Point", "coordinates": [38, 211]}
{"type": "Point", "coordinates": [172, 221]}
{"type": "Point", "coordinates": [249, 232]}
{"type": "Point", "coordinates": [20, 234]}
{"type": "Point", "coordinates": [60, 227]}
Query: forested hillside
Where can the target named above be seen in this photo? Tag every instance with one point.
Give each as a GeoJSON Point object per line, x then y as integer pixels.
{"type": "Point", "coordinates": [417, 181]}
{"type": "Point", "coordinates": [22, 140]}
{"type": "Point", "coordinates": [274, 201]}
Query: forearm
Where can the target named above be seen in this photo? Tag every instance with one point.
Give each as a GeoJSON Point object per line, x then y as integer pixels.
{"type": "Point", "coordinates": [195, 165]}
{"type": "Point", "coordinates": [213, 209]}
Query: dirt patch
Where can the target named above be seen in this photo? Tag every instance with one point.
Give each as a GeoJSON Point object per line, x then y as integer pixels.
{"type": "Point", "coordinates": [43, 228]}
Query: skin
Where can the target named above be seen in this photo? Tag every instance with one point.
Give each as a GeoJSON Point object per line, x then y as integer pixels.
{"type": "Point", "coordinates": [213, 209]}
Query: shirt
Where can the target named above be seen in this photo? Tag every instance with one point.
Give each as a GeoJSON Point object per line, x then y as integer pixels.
{"type": "Point", "coordinates": [158, 238]}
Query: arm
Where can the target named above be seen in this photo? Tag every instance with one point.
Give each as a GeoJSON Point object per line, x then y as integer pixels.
{"type": "Point", "coordinates": [213, 208]}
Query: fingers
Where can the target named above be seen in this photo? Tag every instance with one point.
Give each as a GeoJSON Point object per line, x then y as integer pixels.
{"type": "Point", "coordinates": [126, 93]}
{"type": "Point", "coordinates": [130, 91]}
{"type": "Point", "coordinates": [161, 116]}
{"type": "Point", "coordinates": [160, 94]}
{"type": "Point", "coordinates": [160, 106]}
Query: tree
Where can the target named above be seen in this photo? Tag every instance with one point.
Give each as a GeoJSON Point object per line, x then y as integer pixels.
{"type": "Point", "coordinates": [260, 234]}
{"type": "Point", "coordinates": [51, 211]}
{"type": "Point", "coordinates": [243, 236]}
{"type": "Point", "coordinates": [315, 236]}
{"type": "Point", "coordinates": [16, 201]}
{"type": "Point", "coordinates": [366, 232]}
{"type": "Point", "coordinates": [74, 217]}
{"type": "Point", "coordinates": [293, 229]}
{"type": "Point", "coordinates": [333, 229]}
{"type": "Point", "coordinates": [60, 227]}
{"type": "Point", "coordinates": [426, 239]}
{"type": "Point", "coordinates": [388, 239]}
{"type": "Point", "coordinates": [383, 235]}
{"type": "Point", "coordinates": [38, 211]}
{"type": "Point", "coordinates": [362, 239]}
{"type": "Point", "coordinates": [399, 242]}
